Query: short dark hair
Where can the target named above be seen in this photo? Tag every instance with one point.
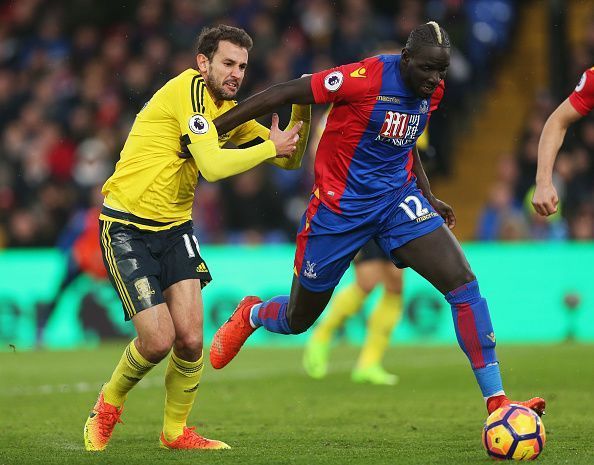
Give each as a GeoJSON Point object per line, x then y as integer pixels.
{"type": "Point", "coordinates": [428, 34]}
{"type": "Point", "coordinates": [209, 38]}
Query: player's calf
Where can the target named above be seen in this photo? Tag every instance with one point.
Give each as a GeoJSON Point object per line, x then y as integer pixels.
{"type": "Point", "coordinates": [476, 337]}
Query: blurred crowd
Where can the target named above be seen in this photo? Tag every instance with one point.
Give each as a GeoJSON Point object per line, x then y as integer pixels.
{"type": "Point", "coordinates": [73, 74]}
{"type": "Point", "coordinates": [509, 215]}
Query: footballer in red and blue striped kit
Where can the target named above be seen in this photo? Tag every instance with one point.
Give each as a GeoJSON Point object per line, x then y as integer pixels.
{"type": "Point", "coordinates": [364, 184]}
{"type": "Point", "coordinates": [370, 184]}
{"type": "Point", "coordinates": [365, 151]}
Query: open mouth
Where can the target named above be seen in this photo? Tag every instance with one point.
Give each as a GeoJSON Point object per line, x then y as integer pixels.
{"type": "Point", "coordinates": [428, 88]}
{"type": "Point", "coordinates": [231, 86]}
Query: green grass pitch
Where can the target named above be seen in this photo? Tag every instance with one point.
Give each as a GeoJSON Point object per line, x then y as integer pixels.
{"type": "Point", "coordinates": [265, 407]}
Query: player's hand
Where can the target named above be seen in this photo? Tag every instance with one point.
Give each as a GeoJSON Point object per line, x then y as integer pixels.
{"type": "Point", "coordinates": [445, 211]}
{"type": "Point", "coordinates": [184, 151]}
{"type": "Point", "coordinates": [545, 199]}
{"type": "Point", "coordinates": [284, 141]}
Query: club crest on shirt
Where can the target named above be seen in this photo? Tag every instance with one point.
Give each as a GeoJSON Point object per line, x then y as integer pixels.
{"type": "Point", "coordinates": [582, 83]}
{"type": "Point", "coordinates": [333, 81]}
{"type": "Point", "coordinates": [198, 124]}
{"type": "Point", "coordinates": [424, 108]}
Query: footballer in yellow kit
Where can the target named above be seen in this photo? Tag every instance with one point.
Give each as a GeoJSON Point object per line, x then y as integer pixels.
{"type": "Point", "coordinates": [150, 180]}
{"type": "Point", "coordinates": [149, 249]}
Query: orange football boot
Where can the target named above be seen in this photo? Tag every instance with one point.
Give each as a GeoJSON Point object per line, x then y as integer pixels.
{"type": "Point", "coordinates": [100, 424]}
{"type": "Point", "coordinates": [192, 440]}
{"type": "Point", "coordinates": [230, 337]}
{"type": "Point", "coordinates": [537, 404]}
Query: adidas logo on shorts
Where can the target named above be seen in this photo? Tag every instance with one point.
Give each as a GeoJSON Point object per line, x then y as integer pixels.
{"type": "Point", "coordinates": [202, 268]}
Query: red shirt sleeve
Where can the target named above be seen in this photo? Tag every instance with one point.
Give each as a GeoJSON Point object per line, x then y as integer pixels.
{"type": "Point", "coordinates": [582, 98]}
{"type": "Point", "coordinates": [344, 83]}
{"type": "Point", "coordinates": [437, 96]}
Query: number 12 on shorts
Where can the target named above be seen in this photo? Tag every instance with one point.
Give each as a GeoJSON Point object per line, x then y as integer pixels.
{"type": "Point", "coordinates": [419, 210]}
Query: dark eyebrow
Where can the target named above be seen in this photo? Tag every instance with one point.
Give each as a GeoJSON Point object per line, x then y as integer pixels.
{"type": "Point", "coordinates": [233, 61]}
{"type": "Point", "coordinates": [436, 64]}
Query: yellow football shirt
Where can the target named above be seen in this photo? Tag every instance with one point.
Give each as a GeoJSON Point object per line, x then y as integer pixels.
{"type": "Point", "coordinates": [150, 180]}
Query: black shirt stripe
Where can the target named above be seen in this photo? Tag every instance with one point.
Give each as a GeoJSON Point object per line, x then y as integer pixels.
{"type": "Point", "coordinates": [193, 93]}
{"type": "Point", "coordinates": [116, 214]}
{"type": "Point", "coordinates": [201, 86]}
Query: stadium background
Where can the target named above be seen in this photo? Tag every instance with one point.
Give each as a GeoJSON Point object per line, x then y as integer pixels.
{"type": "Point", "coordinates": [73, 73]}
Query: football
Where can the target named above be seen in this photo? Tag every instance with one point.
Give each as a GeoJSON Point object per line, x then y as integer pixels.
{"type": "Point", "coordinates": [514, 432]}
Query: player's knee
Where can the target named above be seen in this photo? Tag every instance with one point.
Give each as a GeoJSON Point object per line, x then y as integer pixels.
{"type": "Point", "coordinates": [366, 286]}
{"type": "Point", "coordinates": [189, 345]}
{"type": "Point", "coordinates": [367, 279]}
{"type": "Point", "coordinates": [156, 353]}
{"type": "Point", "coordinates": [156, 347]}
{"type": "Point", "coordinates": [393, 286]}
{"type": "Point", "coordinates": [463, 276]}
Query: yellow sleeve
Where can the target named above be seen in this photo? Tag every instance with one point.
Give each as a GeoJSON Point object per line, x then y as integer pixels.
{"type": "Point", "coordinates": [185, 100]}
{"type": "Point", "coordinates": [252, 132]}
{"type": "Point", "coordinates": [298, 113]}
{"type": "Point", "coordinates": [249, 133]}
{"type": "Point", "coordinates": [216, 163]}
{"type": "Point", "coordinates": [423, 140]}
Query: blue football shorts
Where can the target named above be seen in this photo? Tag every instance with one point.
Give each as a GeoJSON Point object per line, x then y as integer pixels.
{"type": "Point", "coordinates": [327, 241]}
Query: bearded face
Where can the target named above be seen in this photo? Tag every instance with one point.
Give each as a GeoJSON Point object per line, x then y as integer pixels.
{"type": "Point", "coordinates": [224, 73]}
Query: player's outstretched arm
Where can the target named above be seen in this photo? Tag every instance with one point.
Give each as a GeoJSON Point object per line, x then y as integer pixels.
{"type": "Point", "coordinates": [545, 197]}
{"type": "Point", "coordinates": [215, 163]}
{"type": "Point", "coordinates": [300, 118]}
{"type": "Point", "coordinates": [295, 91]}
{"type": "Point", "coordinates": [446, 212]}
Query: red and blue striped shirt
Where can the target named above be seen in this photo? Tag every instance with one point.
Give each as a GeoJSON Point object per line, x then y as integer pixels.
{"type": "Point", "coordinates": [365, 151]}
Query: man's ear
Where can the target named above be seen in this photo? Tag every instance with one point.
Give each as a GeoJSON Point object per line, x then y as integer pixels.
{"type": "Point", "coordinates": [202, 62]}
{"type": "Point", "coordinates": [405, 55]}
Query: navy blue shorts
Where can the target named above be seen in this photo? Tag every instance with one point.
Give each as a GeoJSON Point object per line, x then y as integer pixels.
{"type": "Point", "coordinates": [142, 264]}
{"type": "Point", "coordinates": [327, 241]}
